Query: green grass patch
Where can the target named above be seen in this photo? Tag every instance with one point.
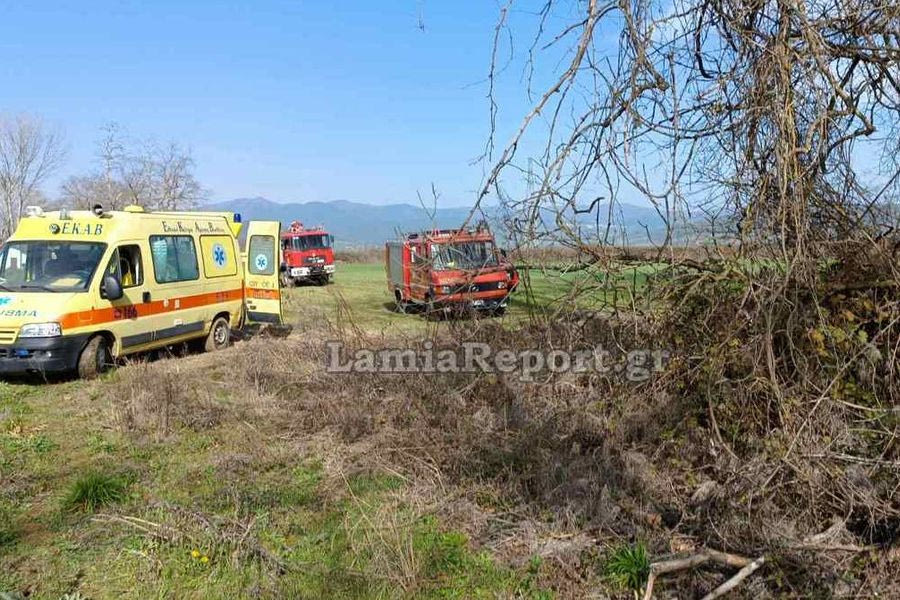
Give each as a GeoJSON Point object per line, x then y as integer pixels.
{"type": "Point", "coordinates": [360, 296]}
{"type": "Point", "coordinates": [8, 531]}
{"type": "Point", "coordinates": [37, 443]}
{"type": "Point", "coordinates": [99, 444]}
{"type": "Point", "coordinates": [13, 400]}
{"type": "Point", "coordinates": [373, 483]}
{"type": "Point", "coordinates": [629, 566]}
{"type": "Point", "coordinates": [94, 490]}
{"type": "Point", "coordinates": [452, 570]}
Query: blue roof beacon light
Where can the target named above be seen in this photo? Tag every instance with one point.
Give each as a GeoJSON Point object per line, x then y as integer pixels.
{"type": "Point", "coordinates": [237, 217]}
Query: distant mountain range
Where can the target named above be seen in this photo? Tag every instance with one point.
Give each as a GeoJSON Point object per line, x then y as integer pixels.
{"type": "Point", "coordinates": [351, 223]}
{"type": "Point", "coordinates": [356, 224]}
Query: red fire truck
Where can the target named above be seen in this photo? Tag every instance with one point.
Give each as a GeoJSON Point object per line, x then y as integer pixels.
{"type": "Point", "coordinates": [450, 269]}
{"type": "Point", "coordinates": [308, 255]}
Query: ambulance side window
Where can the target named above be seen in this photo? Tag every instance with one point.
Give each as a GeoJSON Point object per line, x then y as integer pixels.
{"type": "Point", "coordinates": [261, 251]}
{"type": "Point", "coordinates": [131, 269]}
{"type": "Point", "coordinates": [174, 258]}
{"type": "Point", "coordinates": [112, 268]}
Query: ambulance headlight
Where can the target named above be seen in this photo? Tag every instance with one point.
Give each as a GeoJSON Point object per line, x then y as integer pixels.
{"type": "Point", "coordinates": [40, 330]}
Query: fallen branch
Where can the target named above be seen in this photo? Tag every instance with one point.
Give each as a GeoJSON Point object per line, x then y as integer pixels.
{"type": "Point", "coordinates": [724, 558]}
{"type": "Point", "coordinates": [736, 580]}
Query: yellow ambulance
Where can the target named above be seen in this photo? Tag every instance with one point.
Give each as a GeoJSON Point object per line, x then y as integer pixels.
{"type": "Point", "coordinates": [79, 289]}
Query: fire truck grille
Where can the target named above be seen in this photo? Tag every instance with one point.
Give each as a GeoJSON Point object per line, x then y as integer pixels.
{"type": "Point", "coordinates": [7, 336]}
{"type": "Point", "coordinates": [472, 288]}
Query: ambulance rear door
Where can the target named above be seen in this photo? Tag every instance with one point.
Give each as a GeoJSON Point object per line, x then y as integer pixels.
{"type": "Point", "coordinates": [262, 270]}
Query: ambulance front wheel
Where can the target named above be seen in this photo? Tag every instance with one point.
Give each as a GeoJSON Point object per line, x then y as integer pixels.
{"type": "Point", "coordinates": [95, 358]}
{"type": "Point", "coordinates": [219, 335]}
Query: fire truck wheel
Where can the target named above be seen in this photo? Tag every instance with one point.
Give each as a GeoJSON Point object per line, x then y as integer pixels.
{"type": "Point", "coordinates": [95, 358]}
{"type": "Point", "coordinates": [219, 335]}
{"type": "Point", "coordinates": [401, 305]}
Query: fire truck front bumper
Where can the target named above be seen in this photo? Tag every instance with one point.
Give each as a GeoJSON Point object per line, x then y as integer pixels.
{"type": "Point", "coordinates": [312, 271]}
{"type": "Point", "coordinates": [460, 302]}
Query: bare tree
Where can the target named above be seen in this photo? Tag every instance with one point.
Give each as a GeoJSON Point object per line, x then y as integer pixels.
{"type": "Point", "coordinates": [171, 183]}
{"type": "Point", "coordinates": [30, 152]}
{"type": "Point", "coordinates": [748, 110]}
{"type": "Point", "coordinates": [145, 174]}
{"type": "Point", "coordinates": [777, 120]}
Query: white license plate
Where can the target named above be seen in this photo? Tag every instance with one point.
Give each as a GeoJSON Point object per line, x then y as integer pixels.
{"type": "Point", "coordinates": [477, 302]}
{"type": "Point", "coordinates": [297, 273]}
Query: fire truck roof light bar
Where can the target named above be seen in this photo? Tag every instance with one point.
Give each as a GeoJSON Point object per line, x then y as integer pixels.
{"type": "Point", "coordinates": [297, 227]}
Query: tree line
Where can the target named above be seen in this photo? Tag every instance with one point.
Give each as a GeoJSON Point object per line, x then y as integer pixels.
{"type": "Point", "coordinates": [128, 171]}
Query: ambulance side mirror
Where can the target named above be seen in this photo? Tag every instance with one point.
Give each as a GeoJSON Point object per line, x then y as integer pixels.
{"type": "Point", "coordinates": [111, 289]}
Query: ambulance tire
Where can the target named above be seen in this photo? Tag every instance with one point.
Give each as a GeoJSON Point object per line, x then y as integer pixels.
{"type": "Point", "coordinates": [95, 358]}
{"type": "Point", "coordinates": [219, 335]}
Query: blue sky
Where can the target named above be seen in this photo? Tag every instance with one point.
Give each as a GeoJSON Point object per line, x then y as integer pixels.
{"type": "Point", "coordinates": [294, 100]}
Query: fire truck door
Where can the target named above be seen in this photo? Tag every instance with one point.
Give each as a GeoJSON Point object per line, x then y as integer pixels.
{"type": "Point", "coordinates": [419, 273]}
{"type": "Point", "coordinates": [262, 272]}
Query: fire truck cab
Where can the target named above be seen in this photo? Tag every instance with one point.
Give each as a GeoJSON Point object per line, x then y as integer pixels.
{"type": "Point", "coordinates": [308, 255]}
{"type": "Point", "coordinates": [450, 269]}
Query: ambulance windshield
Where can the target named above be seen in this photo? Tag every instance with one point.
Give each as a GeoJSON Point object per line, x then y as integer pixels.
{"type": "Point", "coordinates": [43, 266]}
{"type": "Point", "coordinates": [463, 255]}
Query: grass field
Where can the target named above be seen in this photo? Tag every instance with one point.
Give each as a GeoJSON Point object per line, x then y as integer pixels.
{"type": "Point", "coordinates": [108, 496]}
{"type": "Point", "coordinates": [360, 294]}
{"type": "Point", "coordinates": [111, 491]}
{"type": "Point", "coordinates": [184, 477]}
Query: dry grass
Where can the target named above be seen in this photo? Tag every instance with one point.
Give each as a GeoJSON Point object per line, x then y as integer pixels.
{"type": "Point", "coordinates": [680, 461]}
{"type": "Point", "coordinates": [157, 399]}
{"type": "Point", "coordinates": [708, 454]}
{"type": "Point", "coordinates": [360, 255]}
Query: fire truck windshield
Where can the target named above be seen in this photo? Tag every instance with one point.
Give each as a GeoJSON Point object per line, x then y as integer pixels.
{"type": "Point", "coordinates": [309, 242]}
{"type": "Point", "coordinates": [463, 255]}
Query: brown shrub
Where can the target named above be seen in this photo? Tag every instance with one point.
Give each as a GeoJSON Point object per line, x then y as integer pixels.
{"type": "Point", "coordinates": [709, 451]}
{"type": "Point", "coordinates": [155, 401]}
{"type": "Point", "coordinates": [771, 431]}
